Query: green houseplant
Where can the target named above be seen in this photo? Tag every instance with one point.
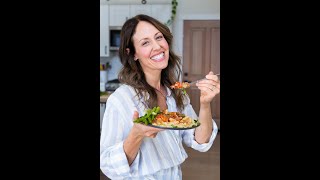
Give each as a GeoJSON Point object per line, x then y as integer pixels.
{"type": "Point", "coordinates": [174, 4]}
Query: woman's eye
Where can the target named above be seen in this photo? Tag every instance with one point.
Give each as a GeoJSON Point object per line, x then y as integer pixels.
{"type": "Point", "coordinates": [159, 37]}
{"type": "Point", "coordinates": [145, 43]}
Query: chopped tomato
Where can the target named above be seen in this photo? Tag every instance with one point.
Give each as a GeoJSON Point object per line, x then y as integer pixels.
{"type": "Point", "coordinates": [179, 85]}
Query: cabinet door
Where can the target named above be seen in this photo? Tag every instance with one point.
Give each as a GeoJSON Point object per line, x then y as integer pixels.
{"type": "Point", "coordinates": [104, 30]}
{"type": "Point", "coordinates": [119, 14]}
{"type": "Point", "coordinates": [140, 9]}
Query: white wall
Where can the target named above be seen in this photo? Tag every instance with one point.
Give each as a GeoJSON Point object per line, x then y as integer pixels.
{"type": "Point", "coordinates": [192, 10]}
{"type": "Point", "coordinates": [115, 63]}
{"type": "Point", "coordinates": [199, 6]}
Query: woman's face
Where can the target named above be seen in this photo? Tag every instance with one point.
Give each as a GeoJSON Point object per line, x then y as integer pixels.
{"type": "Point", "coordinates": [152, 49]}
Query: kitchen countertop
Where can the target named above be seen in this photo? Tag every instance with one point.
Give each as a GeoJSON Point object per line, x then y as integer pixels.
{"type": "Point", "coordinates": [104, 98]}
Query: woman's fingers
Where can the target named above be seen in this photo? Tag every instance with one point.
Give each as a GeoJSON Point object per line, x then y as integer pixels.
{"type": "Point", "coordinates": [213, 77]}
{"type": "Point", "coordinates": [209, 90]}
{"type": "Point", "coordinates": [209, 84]}
{"type": "Point", "coordinates": [135, 115]}
{"type": "Point", "coordinates": [152, 135]}
{"type": "Point", "coordinates": [145, 130]}
{"type": "Point", "coordinates": [209, 87]}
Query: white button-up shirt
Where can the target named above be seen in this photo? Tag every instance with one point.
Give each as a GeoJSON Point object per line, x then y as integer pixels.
{"type": "Point", "coordinates": [159, 157]}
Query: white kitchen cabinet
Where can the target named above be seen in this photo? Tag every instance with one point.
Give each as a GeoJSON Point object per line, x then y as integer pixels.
{"type": "Point", "coordinates": [134, 1]}
{"type": "Point", "coordinates": [102, 109]}
{"type": "Point", "coordinates": [161, 12]}
{"type": "Point", "coordinates": [140, 9]}
{"type": "Point", "coordinates": [118, 14]}
{"type": "Point", "coordinates": [104, 31]}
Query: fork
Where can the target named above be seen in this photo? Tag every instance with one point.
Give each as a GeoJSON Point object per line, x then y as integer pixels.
{"type": "Point", "coordinates": [194, 82]}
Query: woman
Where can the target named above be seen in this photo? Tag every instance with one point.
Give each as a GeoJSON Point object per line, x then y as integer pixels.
{"type": "Point", "coordinates": [134, 151]}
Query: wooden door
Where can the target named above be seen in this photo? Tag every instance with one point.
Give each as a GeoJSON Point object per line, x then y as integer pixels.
{"type": "Point", "coordinates": [201, 54]}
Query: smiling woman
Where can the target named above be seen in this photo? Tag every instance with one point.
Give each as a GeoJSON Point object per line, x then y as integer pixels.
{"type": "Point", "coordinates": [151, 48]}
{"type": "Point", "coordinates": [150, 67]}
{"type": "Point", "coordinates": [147, 58]}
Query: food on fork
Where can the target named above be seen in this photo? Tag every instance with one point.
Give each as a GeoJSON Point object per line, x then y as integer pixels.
{"type": "Point", "coordinates": [179, 85]}
{"type": "Point", "coordinates": [182, 86]}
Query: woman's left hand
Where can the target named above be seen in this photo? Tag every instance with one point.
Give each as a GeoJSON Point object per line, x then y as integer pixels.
{"type": "Point", "coordinates": [209, 88]}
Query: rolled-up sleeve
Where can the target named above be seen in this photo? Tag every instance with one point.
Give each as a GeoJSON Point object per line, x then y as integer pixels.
{"type": "Point", "coordinates": [188, 135]}
{"type": "Point", "coordinates": [189, 139]}
{"type": "Point", "coordinates": [114, 163]}
{"type": "Point", "coordinates": [113, 160]}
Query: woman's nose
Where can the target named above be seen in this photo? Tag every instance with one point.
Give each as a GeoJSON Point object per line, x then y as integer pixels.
{"type": "Point", "coordinates": [156, 45]}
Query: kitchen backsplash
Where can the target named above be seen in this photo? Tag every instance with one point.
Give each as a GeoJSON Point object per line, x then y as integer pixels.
{"type": "Point", "coordinates": [115, 63]}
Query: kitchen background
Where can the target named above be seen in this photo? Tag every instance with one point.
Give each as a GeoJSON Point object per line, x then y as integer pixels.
{"type": "Point", "coordinates": [186, 9]}
{"type": "Point", "coordinates": [196, 39]}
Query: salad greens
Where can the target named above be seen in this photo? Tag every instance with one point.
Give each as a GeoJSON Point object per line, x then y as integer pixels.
{"type": "Point", "coordinates": [184, 91]}
{"type": "Point", "coordinates": [148, 116]}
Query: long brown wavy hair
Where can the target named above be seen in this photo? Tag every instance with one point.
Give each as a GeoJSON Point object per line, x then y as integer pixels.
{"type": "Point", "coordinates": [132, 73]}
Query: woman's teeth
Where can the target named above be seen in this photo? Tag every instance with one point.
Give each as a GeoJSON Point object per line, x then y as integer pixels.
{"type": "Point", "coordinates": [158, 57]}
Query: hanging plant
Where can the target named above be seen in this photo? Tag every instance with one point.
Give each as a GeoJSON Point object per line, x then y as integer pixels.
{"type": "Point", "coordinates": [174, 4]}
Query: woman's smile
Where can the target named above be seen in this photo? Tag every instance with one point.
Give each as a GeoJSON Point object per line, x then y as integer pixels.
{"type": "Point", "coordinates": [158, 57]}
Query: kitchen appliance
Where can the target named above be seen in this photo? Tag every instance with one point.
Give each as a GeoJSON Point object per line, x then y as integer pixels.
{"type": "Point", "coordinates": [114, 37]}
{"type": "Point", "coordinates": [112, 85]}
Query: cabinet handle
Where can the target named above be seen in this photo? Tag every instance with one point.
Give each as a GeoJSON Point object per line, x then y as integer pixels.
{"type": "Point", "coordinates": [105, 49]}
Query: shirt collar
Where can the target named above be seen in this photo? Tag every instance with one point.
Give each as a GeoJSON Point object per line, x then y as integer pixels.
{"type": "Point", "coordinates": [169, 91]}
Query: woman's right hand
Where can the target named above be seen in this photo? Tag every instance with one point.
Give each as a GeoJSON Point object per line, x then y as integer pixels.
{"type": "Point", "coordinates": [143, 130]}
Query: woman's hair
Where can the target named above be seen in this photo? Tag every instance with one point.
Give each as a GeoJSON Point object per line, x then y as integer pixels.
{"type": "Point", "coordinates": [132, 73]}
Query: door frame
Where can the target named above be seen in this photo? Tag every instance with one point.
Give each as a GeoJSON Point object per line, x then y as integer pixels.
{"type": "Point", "coordinates": [178, 29]}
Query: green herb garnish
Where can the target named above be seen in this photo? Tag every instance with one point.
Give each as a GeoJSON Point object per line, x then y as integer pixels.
{"type": "Point", "coordinates": [184, 91]}
{"type": "Point", "coordinates": [148, 117]}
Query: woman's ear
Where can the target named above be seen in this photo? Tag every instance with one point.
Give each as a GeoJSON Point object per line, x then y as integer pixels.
{"type": "Point", "coordinates": [127, 51]}
{"type": "Point", "coordinates": [135, 57]}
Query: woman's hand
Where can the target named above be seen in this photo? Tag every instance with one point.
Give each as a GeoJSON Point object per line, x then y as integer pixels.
{"type": "Point", "coordinates": [209, 88]}
{"type": "Point", "coordinates": [133, 142]}
{"type": "Point", "coordinates": [142, 130]}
